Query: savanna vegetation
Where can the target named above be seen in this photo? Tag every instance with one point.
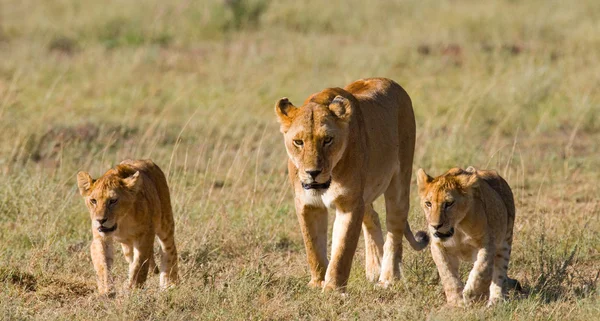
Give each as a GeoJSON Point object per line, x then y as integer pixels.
{"type": "Point", "coordinates": [506, 85]}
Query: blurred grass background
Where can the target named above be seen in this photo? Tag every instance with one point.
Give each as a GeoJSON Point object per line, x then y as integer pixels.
{"type": "Point", "coordinates": [508, 85]}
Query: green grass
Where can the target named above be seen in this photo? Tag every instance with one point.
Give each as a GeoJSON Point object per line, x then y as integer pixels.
{"type": "Point", "coordinates": [508, 85]}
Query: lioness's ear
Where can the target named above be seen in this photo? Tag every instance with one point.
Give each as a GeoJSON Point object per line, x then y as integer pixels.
{"type": "Point", "coordinates": [340, 106]}
{"type": "Point", "coordinates": [285, 110]}
{"type": "Point", "coordinates": [471, 170]}
{"type": "Point", "coordinates": [133, 182]}
{"type": "Point", "coordinates": [423, 179]}
{"type": "Point", "coordinates": [84, 183]}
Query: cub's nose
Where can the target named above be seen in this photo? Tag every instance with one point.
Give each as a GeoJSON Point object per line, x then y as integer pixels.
{"type": "Point", "coordinates": [102, 220]}
{"type": "Point", "coordinates": [313, 173]}
{"type": "Point", "coordinates": [437, 226]}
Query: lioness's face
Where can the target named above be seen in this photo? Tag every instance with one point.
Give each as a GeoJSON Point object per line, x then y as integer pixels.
{"type": "Point", "coordinates": [445, 200]}
{"type": "Point", "coordinates": [315, 138]}
{"type": "Point", "coordinates": [108, 199]}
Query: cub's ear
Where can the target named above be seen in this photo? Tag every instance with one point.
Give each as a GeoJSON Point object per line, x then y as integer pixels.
{"type": "Point", "coordinates": [285, 111]}
{"type": "Point", "coordinates": [471, 170]}
{"type": "Point", "coordinates": [133, 182]}
{"type": "Point", "coordinates": [423, 179]}
{"type": "Point", "coordinates": [341, 107]}
{"type": "Point", "coordinates": [471, 180]}
{"type": "Point", "coordinates": [84, 183]}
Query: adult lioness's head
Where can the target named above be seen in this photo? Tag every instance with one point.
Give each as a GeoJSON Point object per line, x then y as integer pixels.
{"type": "Point", "coordinates": [446, 199]}
{"type": "Point", "coordinates": [109, 198]}
{"type": "Point", "coordinates": [316, 134]}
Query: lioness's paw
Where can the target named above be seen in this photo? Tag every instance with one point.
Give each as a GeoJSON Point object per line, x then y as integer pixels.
{"type": "Point", "coordinates": [384, 284]}
{"type": "Point", "coordinates": [316, 284]}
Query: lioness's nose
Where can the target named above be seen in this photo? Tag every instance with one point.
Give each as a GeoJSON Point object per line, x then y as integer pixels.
{"type": "Point", "coordinates": [437, 226]}
{"type": "Point", "coordinates": [102, 220]}
{"type": "Point", "coordinates": [313, 173]}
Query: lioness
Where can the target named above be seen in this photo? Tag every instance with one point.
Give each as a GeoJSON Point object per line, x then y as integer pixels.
{"type": "Point", "coordinates": [471, 214]}
{"type": "Point", "coordinates": [130, 204]}
{"type": "Point", "coordinates": [346, 147]}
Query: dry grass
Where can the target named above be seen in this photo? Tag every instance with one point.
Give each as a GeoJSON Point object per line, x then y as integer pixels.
{"type": "Point", "coordinates": [497, 84]}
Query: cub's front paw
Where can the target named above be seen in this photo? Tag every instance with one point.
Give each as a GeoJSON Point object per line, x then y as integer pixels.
{"type": "Point", "coordinates": [455, 303]}
{"type": "Point", "coordinates": [469, 296]}
{"type": "Point", "coordinates": [494, 301]}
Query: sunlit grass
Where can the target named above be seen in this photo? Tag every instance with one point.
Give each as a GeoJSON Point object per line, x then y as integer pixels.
{"type": "Point", "coordinates": [506, 85]}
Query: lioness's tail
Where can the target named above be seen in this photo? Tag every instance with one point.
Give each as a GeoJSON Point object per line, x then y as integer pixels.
{"type": "Point", "coordinates": [418, 241]}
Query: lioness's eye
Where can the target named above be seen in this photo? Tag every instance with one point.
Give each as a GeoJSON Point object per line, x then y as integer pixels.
{"type": "Point", "coordinates": [93, 201]}
{"type": "Point", "coordinates": [298, 142]}
{"type": "Point", "coordinates": [428, 204]}
{"type": "Point", "coordinates": [327, 140]}
{"type": "Point", "coordinates": [448, 204]}
{"type": "Point", "coordinates": [112, 201]}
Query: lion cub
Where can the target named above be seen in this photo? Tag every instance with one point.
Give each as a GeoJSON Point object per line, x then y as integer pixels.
{"type": "Point", "coordinates": [470, 215]}
{"type": "Point", "coordinates": [130, 204]}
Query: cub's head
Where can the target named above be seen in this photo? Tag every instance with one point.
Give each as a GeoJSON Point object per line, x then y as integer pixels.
{"type": "Point", "coordinates": [109, 198]}
{"type": "Point", "coordinates": [446, 199]}
{"type": "Point", "coordinates": [316, 134]}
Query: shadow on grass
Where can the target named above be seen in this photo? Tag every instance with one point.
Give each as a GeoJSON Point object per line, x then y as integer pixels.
{"type": "Point", "coordinates": [559, 276]}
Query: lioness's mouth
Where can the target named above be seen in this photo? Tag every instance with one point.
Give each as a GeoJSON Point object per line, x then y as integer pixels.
{"type": "Point", "coordinates": [442, 236]}
{"type": "Point", "coordinates": [315, 185]}
{"type": "Point", "coordinates": [103, 229]}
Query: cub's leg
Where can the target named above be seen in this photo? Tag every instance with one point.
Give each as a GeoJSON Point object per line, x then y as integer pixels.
{"type": "Point", "coordinates": [128, 253]}
{"type": "Point", "coordinates": [169, 273]}
{"type": "Point", "coordinates": [102, 257]}
{"type": "Point", "coordinates": [346, 232]}
{"type": "Point", "coordinates": [373, 243]}
{"type": "Point", "coordinates": [480, 276]}
{"type": "Point", "coordinates": [142, 253]}
{"type": "Point", "coordinates": [497, 289]}
{"type": "Point", "coordinates": [313, 224]}
{"type": "Point", "coordinates": [447, 266]}
{"type": "Point", "coordinates": [396, 205]}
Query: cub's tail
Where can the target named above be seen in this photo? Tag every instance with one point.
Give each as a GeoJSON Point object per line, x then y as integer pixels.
{"type": "Point", "coordinates": [418, 241]}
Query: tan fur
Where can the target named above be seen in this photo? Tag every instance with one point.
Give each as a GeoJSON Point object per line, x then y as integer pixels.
{"type": "Point", "coordinates": [362, 139]}
{"type": "Point", "coordinates": [478, 206]}
{"type": "Point", "coordinates": [142, 209]}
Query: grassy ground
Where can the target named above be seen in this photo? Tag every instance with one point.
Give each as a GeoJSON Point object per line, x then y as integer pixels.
{"type": "Point", "coordinates": [508, 85]}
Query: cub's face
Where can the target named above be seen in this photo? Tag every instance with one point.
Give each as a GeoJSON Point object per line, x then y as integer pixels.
{"type": "Point", "coordinates": [445, 200]}
{"type": "Point", "coordinates": [108, 199]}
{"type": "Point", "coordinates": [315, 137]}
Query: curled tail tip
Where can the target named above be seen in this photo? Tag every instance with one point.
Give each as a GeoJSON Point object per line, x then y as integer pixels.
{"type": "Point", "coordinates": [422, 239]}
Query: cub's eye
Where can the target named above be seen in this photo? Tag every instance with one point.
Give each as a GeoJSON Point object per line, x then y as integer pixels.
{"type": "Point", "coordinates": [93, 201]}
{"type": "Point", "coordinates": [428, 204]}
{"type": "Point", "coordinates": [449, 204]}
{"type": "Point", "coordinates": [327, 140]}
{"type": "Point", "coordinates": [298, 142]}
{"type": "Point", "coordinates": [112, 201]}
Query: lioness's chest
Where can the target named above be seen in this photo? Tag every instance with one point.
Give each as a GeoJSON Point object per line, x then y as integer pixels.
{"type": "Point", "coordinates": [320, 198]}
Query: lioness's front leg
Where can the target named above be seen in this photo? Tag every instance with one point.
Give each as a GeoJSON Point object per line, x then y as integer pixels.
{"type": "Point", "coordinates": [102, 257]}
{"type": "Point", "coordinates": [480, 276]}
{"type": "Point", "coordinates": [346, 231]}
{"type": "Point", "coordinates": [313, 223]}
{"type": "Point", "coordinates": [447, 266]}
{"type": "Point", "coordinates": [142, 254]}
